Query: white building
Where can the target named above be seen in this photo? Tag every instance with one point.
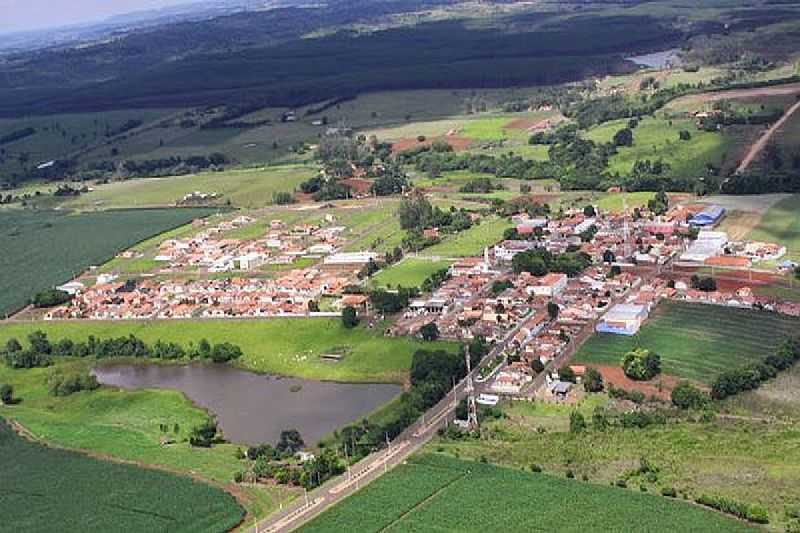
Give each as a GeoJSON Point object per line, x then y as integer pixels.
{"type": "Point", "coordinates": [623, 319]}
{"type": "Point", "coordinates": [548, 285]}
{"type": "Point", "coordinates": [351, 258]}
{"type": "Point", "coordinates": [708, 244]}
{"type": "Point", "coordinates": [506, 250]}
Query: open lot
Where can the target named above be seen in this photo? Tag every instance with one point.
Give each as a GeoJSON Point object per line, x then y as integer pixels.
{"type": "Point", "coordinates": [289, 347]}
{"type": "Point", "coordinates": [409, 273]}
{"type": "Point", "coordinates": [696, 341]}
{"type": "Point", "coordinates": [472, 241]}
{"type": "Point", "coordinates": [45, 248]}
{"type": "Point", "coordinates": [437, 493]}
{"type": "Point", "coordinates": [47, 488]}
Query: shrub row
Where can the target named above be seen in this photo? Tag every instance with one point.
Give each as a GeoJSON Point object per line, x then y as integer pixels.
{"type": "Point", "coordinates": [751, 513]}
{"type": "Point", "coordinates": [751, 376]}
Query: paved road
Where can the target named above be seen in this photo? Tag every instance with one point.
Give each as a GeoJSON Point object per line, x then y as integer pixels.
{"type": "Point", "coordinates": [378, 463]}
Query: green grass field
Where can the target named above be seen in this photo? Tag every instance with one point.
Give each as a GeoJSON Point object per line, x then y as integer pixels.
{"type": "Point", "coordinates": [44, 248]}
{"type": "Point", "coordinates": [47, 489]}
{"type": "Point", "coordinates": [409, 273]}
{"type": "Point", "coordinates": [781, 224]}
{"type": "Point", "coordinates": [655, 139]}
{"type": "Point", "coordinates": [438, 493]}
{"type": "Point", "coordinates": [290, 347]}
{"type": "Point", "coordinates": [243, 188]}
{"type": "Point", "coordinates": [696, 341]}
{"type": "Point", "coordinates": [472, 241]}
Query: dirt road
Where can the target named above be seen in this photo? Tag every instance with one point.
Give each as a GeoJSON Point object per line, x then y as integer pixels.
{"type": "Point", "coordinates": [759, 145]}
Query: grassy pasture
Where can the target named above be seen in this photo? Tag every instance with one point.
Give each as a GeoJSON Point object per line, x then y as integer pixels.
{"type": "Point", "coordinates": [80, 493]}
{"type": "Point", "coordinates": [656, 138]}
{"type": "Point", "coordinates": [289, 347]}
{"type": "Point", "coordinates": [437, 493]}
{"type": "Point", "coordinates": [243, 188]}
{"type": "Point", "coordinates": [45, 248]}
{"type": "Point", "coordinates": [409, 273]}
{"type": "Point", "coordinates": [781, 223]}
{"type": "Point", "coordinates": [472, 241]}
{"type": "Point", "coordinates": [696, 341]}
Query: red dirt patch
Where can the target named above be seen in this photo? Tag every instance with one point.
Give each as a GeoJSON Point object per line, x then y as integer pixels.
{"type": "Point", "coordinates": [527, 124]}
{"type": "Point", "coordinates": [613, 375]}
{"type": "Point", "coordinates": [459, 144]}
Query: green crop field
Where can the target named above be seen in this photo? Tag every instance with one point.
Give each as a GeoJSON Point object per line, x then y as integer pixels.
{"type": "Point", "coordinates": [243, 188]}
{"type": "Point", "coordinates": [42, 249]}
{"type": "Point", "coordinates": [696, 341]}
{"type": "Point", "coordinates": [47, 489]}
{"type": "Point", "coordinates": [437, 493]}
{"type": "Point", "coordinates": [781, 224]}
{"type": "Point", "coordinates": [693, 457]}
{"type": "Point", "coordinates": [656, 138]}
{"type": "Point", "coordinates": [472, 241]}
{"type": "Point", "coordinates": [290, 347]}
{"type": "Point", "coordinates": [409, 273]}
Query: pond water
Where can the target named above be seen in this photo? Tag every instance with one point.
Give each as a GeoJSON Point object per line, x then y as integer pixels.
{"type": "Point", "coordinates": [658, 60]}
{"type": "Point", "coordinates": [253, 408]}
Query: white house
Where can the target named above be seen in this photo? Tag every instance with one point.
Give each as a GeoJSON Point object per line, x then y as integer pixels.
{"type": "Point", "coordinates": [506, 250]}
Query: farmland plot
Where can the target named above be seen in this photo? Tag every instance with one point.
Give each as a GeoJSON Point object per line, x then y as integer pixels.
{"type": "Point", "coordinates": [43, 249]}
{"type": "Point", "coordinates": [93, 495]}
{"type": "Point", "coordinates": [696, 341]}
{"type": "Point", "coordinates": [436, 493]}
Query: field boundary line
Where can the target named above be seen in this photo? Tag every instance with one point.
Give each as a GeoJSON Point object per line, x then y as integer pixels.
{"type": "Point", "coordinates": [423, 501]}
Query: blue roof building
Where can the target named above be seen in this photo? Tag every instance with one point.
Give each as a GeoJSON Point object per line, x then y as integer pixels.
{"type": "Point", "coordinates": [708, 216]}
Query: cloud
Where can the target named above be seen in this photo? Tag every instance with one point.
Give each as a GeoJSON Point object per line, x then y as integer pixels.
{"type": "Point", "coordinates": [23, 15]}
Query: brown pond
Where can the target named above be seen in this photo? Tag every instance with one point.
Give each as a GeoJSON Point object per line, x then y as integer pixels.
{"type": "Point", "coordinates": [253, 408]}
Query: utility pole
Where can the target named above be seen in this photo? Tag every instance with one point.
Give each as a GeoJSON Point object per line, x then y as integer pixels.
{"type": "Point", "coordinates": [472, 408]}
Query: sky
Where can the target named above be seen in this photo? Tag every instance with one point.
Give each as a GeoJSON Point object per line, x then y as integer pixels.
{"type": "Point", "coordinates": [24, 15]}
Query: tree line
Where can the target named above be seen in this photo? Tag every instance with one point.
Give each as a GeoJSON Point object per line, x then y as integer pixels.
{"type": "Point", "coordinates": [41, 351]}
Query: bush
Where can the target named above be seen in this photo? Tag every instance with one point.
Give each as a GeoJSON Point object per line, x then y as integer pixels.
{"type": "Point", "coordinates": [429, 332]}
{"type": "Point", "coordinates": [60, 384]}
{"type": "Point", "coordinates": [536, 468]}
{"type": "Point", "coordinates": [593, 380]}
{"type": "Point", "coordinates": [51, 298]}
{"type": "Point", "coordinates": [203, 435]}
{"type": "Point", "coordinates": [621, 483]}
{"type": "Point", "coordinates": [751, 513]}
{"type": "Point", "coordinates": [669, 492]}
{"type": "Point", "coordinates": [349, 317]}
{"type": "Point", "coordinates": [687, 396]}
{"type": "Point", "coordinates": [6, 394]}
{"type": "Point", "coordinates": [577, 423]}
{"type": "Point", "coordinates": [641, 365]}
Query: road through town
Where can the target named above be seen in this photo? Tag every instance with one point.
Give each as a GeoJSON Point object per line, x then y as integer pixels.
{"type": "Point", "coordinates": [380, 462]}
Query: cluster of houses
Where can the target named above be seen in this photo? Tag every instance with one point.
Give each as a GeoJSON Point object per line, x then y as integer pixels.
{"type": "Point", "coordinates": [207, 251]}
{"type": "Point", "coordinates": [288, 295]}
